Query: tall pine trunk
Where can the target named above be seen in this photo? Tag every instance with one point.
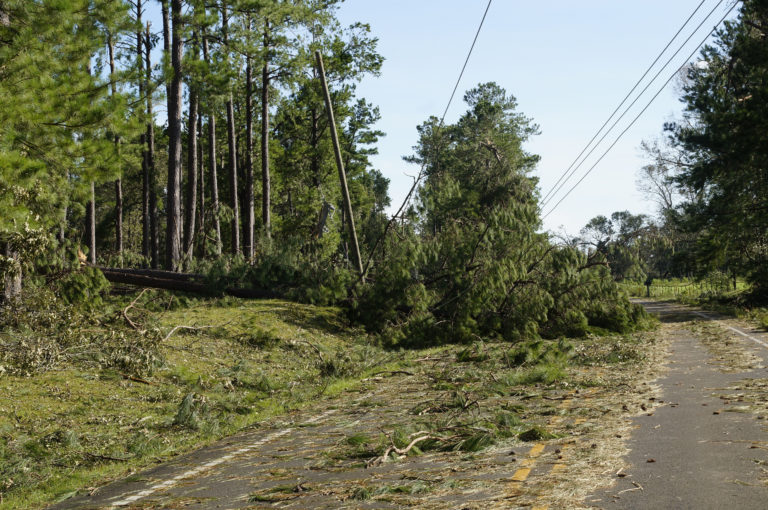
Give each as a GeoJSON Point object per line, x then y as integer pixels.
{"type": "Point", "coordinates": [90, 215]}
{"type": "Point", "coordinates": [191, 200]}
{"type": "Point", "coordinates": [201, 182]}
{"type": "Point", "coordinates": [166, 42]}
{"type": "Point", "coordinates": [173, 204]}
{"type": "Point", "coordinates": [154, 242]}
{"type": "Point", "coordinates": [265, 179]}
{"type": "Point", "coordinates": [145, 221]}
{"type": "Point", "coordinates": [232, 148]}
{"type": "Point", "coordinates": [250, 218]}
{"type": "Point", "coordinates": [118, 181]}
{"type": "Point", "coordinates": [190, 210]}
{"type": "Point", "coordinates": [212, 162]}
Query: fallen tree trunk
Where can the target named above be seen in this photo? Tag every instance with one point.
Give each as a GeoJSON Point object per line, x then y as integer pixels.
{"type": "Point", "coordinates": [179, 282]}
{"type": "Point", "coordinates": [156, 273]}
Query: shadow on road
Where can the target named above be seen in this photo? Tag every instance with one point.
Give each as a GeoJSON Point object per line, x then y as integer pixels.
{"type": "Point", "coordinates": [667, 312]}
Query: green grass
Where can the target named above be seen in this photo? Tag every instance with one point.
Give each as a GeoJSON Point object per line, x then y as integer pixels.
{"type": "Point", "coordinates": [77, 425]}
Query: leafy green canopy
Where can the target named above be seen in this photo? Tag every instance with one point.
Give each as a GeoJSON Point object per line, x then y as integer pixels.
{"type": "Point", "coordinates": [624, 241]}
{"type": "Point", "coordinates": [468, 260]}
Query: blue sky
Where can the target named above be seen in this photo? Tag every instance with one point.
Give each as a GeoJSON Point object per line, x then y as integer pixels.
{"type": "Point", "coordinates": [568, 63]}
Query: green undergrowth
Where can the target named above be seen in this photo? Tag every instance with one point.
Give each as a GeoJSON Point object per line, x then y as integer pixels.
{"type": "Point", "coordinates": [76, 422]}
{"type": "Point", "coordinates": [716, 293]}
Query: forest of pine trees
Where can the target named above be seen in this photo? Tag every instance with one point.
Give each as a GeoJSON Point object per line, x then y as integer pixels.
{"type": "Point", "coordinates": [130, 145]}
{"type": "Point", "coordinates": [86, 150]}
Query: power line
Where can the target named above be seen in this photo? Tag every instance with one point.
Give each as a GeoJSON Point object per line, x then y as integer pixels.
{"type": "Point", "coordinates": [421, 171]}
{"type": "Point", "coordinates": [466, 61]}
{"type": "Point", "coordinates": [641, 112]}
{"type": "Point", "coordinates": [624, 113]}
{"type": "Point", "coordinates": [629, 94]}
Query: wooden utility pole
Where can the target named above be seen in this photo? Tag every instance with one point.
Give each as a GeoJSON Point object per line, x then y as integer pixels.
{"type": "Point", "coordinates": [339, 164]}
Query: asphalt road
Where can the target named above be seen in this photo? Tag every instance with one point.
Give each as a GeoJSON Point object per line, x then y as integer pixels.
{"type": "Point", "coordinates": [704, 449]}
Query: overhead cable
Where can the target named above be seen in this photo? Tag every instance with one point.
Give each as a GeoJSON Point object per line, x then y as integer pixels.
{"type": "Point", "coordinates": [466, 61]}
{"type": "Point", "coordinates": [566, 175]}
{"type": "Point", "coordinates": [687, 60]}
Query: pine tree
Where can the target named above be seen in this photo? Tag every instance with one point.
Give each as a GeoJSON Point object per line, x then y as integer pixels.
{"type": "Point", "coordinates": [467, 259]}
{"type": "Point", "coordinates": [173, 206]}
{"type": "Point", "coordinates": [54, 115]}
{"type": "Point", "coordinates": [724, 139]}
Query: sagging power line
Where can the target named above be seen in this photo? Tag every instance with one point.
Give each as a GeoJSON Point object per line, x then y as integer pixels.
{"type": "Point", "coordinates": [416, 181]}
{"type": "Point", "coordinates": [687, 60]}
{"type": "Point", "coordinates": [616, 110]}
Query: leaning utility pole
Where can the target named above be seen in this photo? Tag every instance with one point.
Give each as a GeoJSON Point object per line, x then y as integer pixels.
{"type": "Point", "coordinates": [339, 164]}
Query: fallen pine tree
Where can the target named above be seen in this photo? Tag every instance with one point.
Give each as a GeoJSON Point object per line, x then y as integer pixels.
{"type": "Point", "coordinates": [183, 282]}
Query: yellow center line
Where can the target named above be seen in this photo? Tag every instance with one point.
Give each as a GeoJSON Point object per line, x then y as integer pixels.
{"type": "Point", "coordinates": [536, 450]}
{"type": "Point", "coordinates": [527, 464]}
{"type": "Point", "coordinates": [521, 475]}
{"type": "Point", "coordinates": [558, 468]}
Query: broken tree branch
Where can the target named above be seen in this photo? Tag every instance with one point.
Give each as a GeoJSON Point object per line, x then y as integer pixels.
{"type": "Point", "coordinates": [125, 312]}
{"type": "Point", "coordinates": [377, 461]}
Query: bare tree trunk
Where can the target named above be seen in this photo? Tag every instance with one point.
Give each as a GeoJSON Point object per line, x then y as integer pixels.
{"type": "Point", "coordinates": [265, 180]}
{"type": "Point", "coordinates": [90, 213]}
{"type": "Point", "coordinates": [90, 225]}
{"type": "Point", "coordinates": [200, 180]}
{"type": "Point", "coordinates": [118, 182]}
{"type": "Point", "coordinates": [145, 242]}
{"type": "Point", "coordinates": [154, 243]}
{"type": "Point", "coordinates": [190, 210]}
{"type": "Point", "coordinates": [250, 218]}
{"type": "Point", "coordinates": [212, 163]}
{"type": "Point", "coordinates": [173, 207]}
{"type": "Point", "coordinates": [166, 41]}
{"type": "Point", "coordinates": [191, 203]}
{"type": "Point", "coordinates": [232, 147]}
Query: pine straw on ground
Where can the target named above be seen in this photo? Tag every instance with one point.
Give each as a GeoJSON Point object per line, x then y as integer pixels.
{"type": "Point", "coordinates": [582, 417]}
{"type": "Point", "coordinates": [592, 452]}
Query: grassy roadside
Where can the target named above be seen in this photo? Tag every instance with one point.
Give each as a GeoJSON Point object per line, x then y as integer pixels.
{"type": "Point", "coordinates": [76, 426]}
